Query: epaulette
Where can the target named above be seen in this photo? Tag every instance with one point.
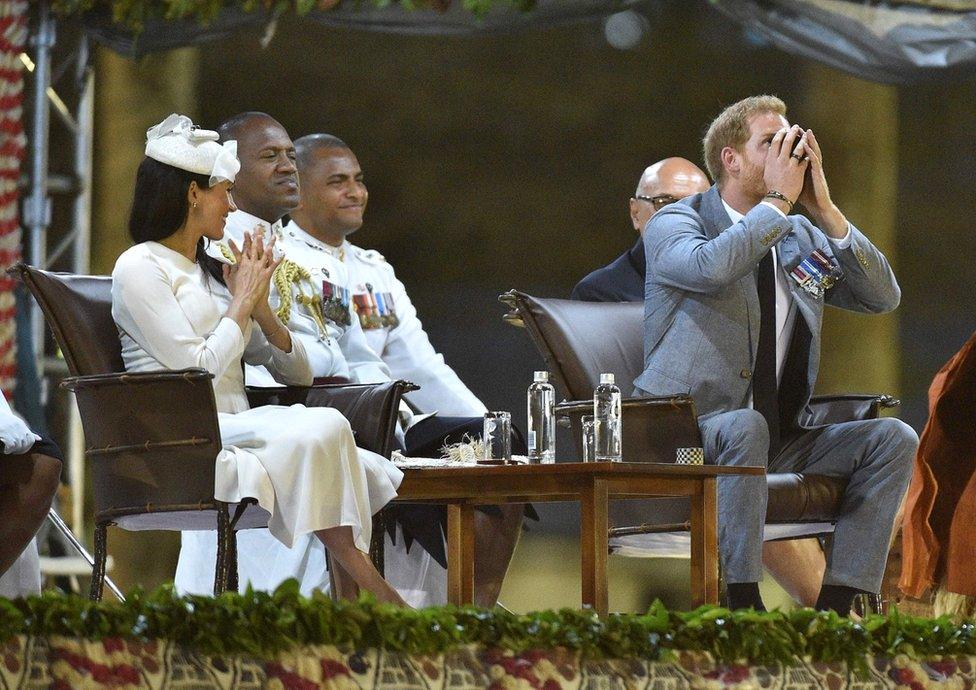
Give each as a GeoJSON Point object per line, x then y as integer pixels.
{"type": "Point", "coordinates": [370, 256]}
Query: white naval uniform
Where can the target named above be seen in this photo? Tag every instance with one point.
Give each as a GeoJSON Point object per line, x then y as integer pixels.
{"type": "Point", "coordinates": [405, 347]}
{"type": "Point", "coordinates": [263, 561]}
{"type": "Point", "coordinates": [341, 350]}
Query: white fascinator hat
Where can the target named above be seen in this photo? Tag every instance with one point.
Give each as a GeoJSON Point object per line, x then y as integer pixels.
{"type": "Point", "coordinates": [178, 142]}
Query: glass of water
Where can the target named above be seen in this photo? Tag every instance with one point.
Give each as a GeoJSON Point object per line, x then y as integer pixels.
{"type": "Point", "coordinates": [589, 438]}
{"type": "Point", "coordinates": [497, 436]}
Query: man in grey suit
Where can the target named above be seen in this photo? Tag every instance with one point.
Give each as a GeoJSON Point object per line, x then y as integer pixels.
{"type": "Point", "coordinates": [731, 318]}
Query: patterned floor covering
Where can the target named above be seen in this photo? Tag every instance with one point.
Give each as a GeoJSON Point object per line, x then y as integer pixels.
{"type": "Point", "coordinates": [62, 663]}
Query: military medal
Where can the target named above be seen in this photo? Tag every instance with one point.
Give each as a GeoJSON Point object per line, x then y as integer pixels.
{"type": "Point", "coordinates": [816, 274]}
{"type": "Point", "coordinates": [366, 308]}
{"type": "Point", "coordinates": [384, 305]}
{"type": "Point", "coordinates": [335, 303]}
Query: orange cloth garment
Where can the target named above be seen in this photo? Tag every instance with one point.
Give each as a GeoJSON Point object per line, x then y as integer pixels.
{"type": "Point", "coordinates": [939, 537]}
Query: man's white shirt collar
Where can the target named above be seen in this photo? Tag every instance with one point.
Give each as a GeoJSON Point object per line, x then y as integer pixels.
{"type": "Point", "coordinates": [296, 232]}
{"type": "Point", "coordinates": [842, 243]}
{"type": "Point", "coordinates": [241, 221]}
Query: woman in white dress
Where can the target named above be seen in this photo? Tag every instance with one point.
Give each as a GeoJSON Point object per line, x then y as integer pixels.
{"type": "Point", "coordinates": [177, 308]}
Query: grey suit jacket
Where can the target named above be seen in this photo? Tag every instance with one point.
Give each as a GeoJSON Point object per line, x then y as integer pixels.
{"type": "Point", "coordinates": [701, 307]}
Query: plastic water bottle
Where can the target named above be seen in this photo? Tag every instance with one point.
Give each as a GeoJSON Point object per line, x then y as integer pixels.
{"type": "Point", "coordinates": [541, 400]}
{"type": "Point", "coordinates": [607, 421]}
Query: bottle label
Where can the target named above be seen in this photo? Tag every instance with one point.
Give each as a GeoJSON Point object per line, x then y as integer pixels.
{"type": "Point", "coordinates": [531, 441]}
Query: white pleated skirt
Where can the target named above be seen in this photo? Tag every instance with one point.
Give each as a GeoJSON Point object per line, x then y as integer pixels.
{"type": "Point", "coordinates": [303, 467]}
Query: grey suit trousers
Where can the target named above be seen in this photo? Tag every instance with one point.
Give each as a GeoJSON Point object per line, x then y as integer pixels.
{"type": "Point", "coordinates": [875, 456]}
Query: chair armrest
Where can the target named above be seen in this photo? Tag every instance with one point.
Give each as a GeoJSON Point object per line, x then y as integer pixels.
{"type": "Point", "coordinates": [833, 409]}
{"type": "Point", "coordinates": [653, 428]}
{"type": "Point", "coordinates": [372, 409]}
{"type": "Point", "coordinates": [151, 437]}
{"type": "Point", "coordinates": [149, 410]}
{"type": "Point", "coordinates": [513, 317]}
{"type": "Point", "coordinates": [121, 378]}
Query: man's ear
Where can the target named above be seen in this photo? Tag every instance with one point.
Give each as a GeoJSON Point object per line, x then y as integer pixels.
{"type": "Point", "coordinates": [731, 161]}
{"type": "Point", "coordinates": [633, 214]}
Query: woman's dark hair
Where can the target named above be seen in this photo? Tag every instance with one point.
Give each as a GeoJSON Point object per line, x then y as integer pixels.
{"type": "Point", "coordinates": [160, 207]}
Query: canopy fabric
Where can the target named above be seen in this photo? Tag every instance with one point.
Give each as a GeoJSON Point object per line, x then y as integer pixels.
{"type": "Point", "coordinates": [161, 35]}
{"type": "Point", "coordinates": [894, 42]}
{"type": "Point", "coordinates": [888, 42]}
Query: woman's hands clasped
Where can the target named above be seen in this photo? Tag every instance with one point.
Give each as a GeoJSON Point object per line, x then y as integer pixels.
{"type": "Point", "coordinates": [249, 283]}
{"type": "Point", "coordinates": [249, 279]}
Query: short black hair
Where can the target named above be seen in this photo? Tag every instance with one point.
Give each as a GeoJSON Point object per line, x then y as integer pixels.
{"type": "Point", "coordinates": [232, 126]}
{"type": "Point", "coordinates": [310, 143]}
{"type": "Point", "coordinates": [160, 207]}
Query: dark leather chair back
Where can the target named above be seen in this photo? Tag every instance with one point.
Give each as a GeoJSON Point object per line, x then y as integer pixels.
{"type": "Point", "coordinates": [78, 308]}
{"type": "Point", "coordinates": [581, 340]}
{"type": "Point", "coordinates": [146, 460]}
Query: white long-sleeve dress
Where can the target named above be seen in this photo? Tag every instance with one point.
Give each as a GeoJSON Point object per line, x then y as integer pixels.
{"type": "Point", "coordinates": [301, 464]}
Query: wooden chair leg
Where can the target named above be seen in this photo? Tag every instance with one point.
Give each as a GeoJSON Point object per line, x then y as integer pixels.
{"type": "Point", "coordinates": [377, 543]}
{"type": "Point", "coordinates": [233, 581]}
{"type": "Point", "coordinates": [98, 569]}
{"type": "Point", "coordinates": [221, 568]}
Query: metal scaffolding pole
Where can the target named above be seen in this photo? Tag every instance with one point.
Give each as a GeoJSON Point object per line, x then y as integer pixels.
{"type": "Point", "coordinates": [85, 120]}
{"type": "Point", "coordinates": [73, 248]}
{"type": "Point", "coordinates": [37, 209]}
{"type": "Point", "coordinates": [81, 232]}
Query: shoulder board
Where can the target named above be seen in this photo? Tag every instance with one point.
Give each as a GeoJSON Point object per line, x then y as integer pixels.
{"type": "Point", "coordinates": [370, 256]}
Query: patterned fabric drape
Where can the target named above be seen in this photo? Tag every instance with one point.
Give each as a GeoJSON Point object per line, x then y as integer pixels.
{"type": "Point", "coordinates": [65, 663]}
{"type": "Point", "coordinates": [13, 37]}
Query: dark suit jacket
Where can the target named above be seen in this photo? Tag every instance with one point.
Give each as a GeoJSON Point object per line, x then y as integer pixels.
{"type": "Point", "coordinates": [621, 281]}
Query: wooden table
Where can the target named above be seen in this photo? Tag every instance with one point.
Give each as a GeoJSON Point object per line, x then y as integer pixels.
{"type": "Point", "coordinates": [462, 487]}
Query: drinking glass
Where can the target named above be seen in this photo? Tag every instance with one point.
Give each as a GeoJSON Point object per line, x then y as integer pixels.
{"type": "Point", "coordinates": [497, 436]}
{"type": "Point", "coordinates": [589, 438]}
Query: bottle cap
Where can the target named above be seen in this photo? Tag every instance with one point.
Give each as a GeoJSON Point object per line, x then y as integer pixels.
{"type": "Point", "coordinates": [606, 378]}
{"type": "Point", "coordinates": [542, 376]}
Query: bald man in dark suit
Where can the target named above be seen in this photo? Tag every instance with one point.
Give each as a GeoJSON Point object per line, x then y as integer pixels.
{"type": "Point", "coordinates": [661, 184]}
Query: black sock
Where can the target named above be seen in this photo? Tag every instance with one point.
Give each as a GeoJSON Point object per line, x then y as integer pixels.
{"type": "Point", "coordinates": [837, 598]}
{"type": "Point", "coordinates": [743, 595]}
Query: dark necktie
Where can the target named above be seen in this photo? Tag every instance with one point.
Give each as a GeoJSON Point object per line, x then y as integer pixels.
{"type": "Point", "coordinates": [764, 390]}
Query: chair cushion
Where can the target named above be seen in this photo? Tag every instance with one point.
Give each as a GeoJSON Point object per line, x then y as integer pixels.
{"type": "Point", "coordinates": [795, 497]}
{"type": "Point", "coordinates": [191, 520]}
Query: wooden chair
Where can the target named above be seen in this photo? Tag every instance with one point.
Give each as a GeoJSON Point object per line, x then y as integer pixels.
{"type": "Point", "coordinates": [581, 340]}
{"type": "Point", "coordinates": [152, 437]}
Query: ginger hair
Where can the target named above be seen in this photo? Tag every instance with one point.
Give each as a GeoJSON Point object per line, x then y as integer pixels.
{"type": "Point", "coordinates": [731, 128]}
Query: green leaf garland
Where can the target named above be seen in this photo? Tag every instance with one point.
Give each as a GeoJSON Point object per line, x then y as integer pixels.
{"type": "Point", "coordinates": [262, 625]}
